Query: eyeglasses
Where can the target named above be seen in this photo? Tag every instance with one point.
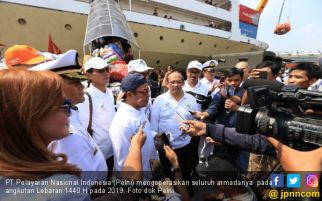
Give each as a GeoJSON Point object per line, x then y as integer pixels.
{"type": "Point", "coordinates": [175, 82]}
{"type": "Point", "coordinates": [210, 70]}
{"type": "Point", "coordinates": [66, 106]}
{"type": "Point", "coordinates": [107, 70]}
{"type": "Point", "coordinates": [144, 92]}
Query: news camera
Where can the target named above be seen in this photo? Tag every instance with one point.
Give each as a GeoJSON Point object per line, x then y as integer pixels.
{"type": "Point", "coordinates": [281, 114]}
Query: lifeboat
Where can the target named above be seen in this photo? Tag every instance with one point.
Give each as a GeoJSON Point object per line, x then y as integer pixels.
{"type": "Point", "coordinates": [283, 28]}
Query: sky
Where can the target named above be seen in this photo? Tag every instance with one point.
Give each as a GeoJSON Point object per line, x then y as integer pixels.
{"type": "Point", "coordinates": [305, 17]}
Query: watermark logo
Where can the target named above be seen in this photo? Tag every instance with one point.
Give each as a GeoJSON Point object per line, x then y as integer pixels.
{"type": "Point", "coordinates": [277, 180]}
{"type": "Point", "coordinates": [293, 181]}
{"type": "Point", "coordinates": [312, 180]}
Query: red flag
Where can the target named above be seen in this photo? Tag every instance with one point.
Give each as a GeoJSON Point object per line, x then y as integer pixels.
{"type": "Point", "coordinates": [52, 47]}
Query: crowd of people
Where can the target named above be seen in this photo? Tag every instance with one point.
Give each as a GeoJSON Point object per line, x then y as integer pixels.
{"type": "Point", "coordinates": [61, 120]}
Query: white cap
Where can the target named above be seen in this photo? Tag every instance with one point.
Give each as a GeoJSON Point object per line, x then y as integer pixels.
{"type": "Point", "coordinates": [65, 64]}
{"type": "Point", "coordinates": [67, 59]}
{"type": "Point", "coordinates": [195, 64]}
{"type": "Point", "coordinates": [210, 64]}
{"type": "Point", "coordinates": [138, 65]}
{"type": "Point", "coordinates": [95, 63]}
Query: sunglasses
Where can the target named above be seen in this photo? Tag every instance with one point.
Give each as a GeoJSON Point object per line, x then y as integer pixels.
{"type": "Point", "coordinates": [210, 70]}
{"type": "Point", "coordinates": [66, 106]}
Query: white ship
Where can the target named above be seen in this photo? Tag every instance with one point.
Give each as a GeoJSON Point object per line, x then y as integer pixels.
{"type": "Point", "coordinates": [168, 32]}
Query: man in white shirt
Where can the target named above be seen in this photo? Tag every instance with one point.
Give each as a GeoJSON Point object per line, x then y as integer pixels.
{"type": "Point", "coordinates": [139, 66]}
{"type": "Point", "coordinates": [168, 110]}
{"type": "Point", "coordinates": [208, 69]}
{"type": "Point", "coordinates": [129, 118]}
{"type": "Point", "coordinates": [193, 85]}
{"type": "Point", "coordinates": [97, 111]}
{"type": "Point", "coordinates": [79, 146]}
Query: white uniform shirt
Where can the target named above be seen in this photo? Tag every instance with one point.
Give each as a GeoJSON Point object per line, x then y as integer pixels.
{"type": "Point", "coordinates": [164, 120]}
{"type": "Point", "coordinates": [210, 84]}
{"type": "Point", "coordinates": [103, 113]}
{"type": "Point", "coordinates": [125, 124]}
{"type": "Point", "coordinates": [81, 150]}
{"type": "Point", "coordinates": [199, 89]}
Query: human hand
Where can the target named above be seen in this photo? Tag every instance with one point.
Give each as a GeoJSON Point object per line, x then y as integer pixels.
{"type": "Point", "coordinates": [231, 105]}
{"type": "Point", "coordinates": [172, 156]}
{"type": "Point", "coordinates": [196, 128]}
{"type": "Point", "coordinates": [201, 115]}
{"type": "Point", "coordinates": [214, 86]}
{"type": "Point", "coordinates": [138, 139]}
{"type": "Point", "coordinates": [294, 160]}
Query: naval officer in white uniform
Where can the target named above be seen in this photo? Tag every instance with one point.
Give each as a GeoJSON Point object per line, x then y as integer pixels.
{"type": "Point", "coordinates": [79, 146]}
{"type": "Point", "coordinates": [209, 70]}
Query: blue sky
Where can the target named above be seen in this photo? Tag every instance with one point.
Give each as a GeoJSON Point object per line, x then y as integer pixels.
{"type": "Point", "coordinates": [305, 19]}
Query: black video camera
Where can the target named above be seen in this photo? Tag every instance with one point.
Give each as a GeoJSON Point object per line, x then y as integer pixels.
{"type": "Point", "coordinates": [281, 115]}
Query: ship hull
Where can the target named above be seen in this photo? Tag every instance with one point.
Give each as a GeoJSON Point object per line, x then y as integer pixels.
{"type": "Point", "coordinates": [159, 46]}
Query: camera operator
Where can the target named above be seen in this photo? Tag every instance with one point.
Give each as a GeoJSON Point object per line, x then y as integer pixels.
{"type": "Point", "coordinates": [267, 70]}
{"type": "Point", "coordinates": [290, 159]}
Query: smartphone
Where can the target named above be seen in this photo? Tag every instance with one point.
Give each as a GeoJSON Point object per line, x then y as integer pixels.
{"type": "Point", "coordinates": [263, 75]}
{"type": "Point", "coordinates": [222, 79]}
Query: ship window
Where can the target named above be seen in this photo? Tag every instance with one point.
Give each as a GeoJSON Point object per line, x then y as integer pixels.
{"type": "Point", "coordinates": [21, 21]}
{"type": "Point", "coordinates": [182, 40]}
{"type": "Point", "coordinates": [68, 27]}
{"type": "Point", "coordinates": [161, 37]}
{"type": "Point", "coordinates": [136, 35]}
{"type": "Point", "coordinates": [200, 43]}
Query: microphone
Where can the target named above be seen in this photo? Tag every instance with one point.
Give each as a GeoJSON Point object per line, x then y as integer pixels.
{"type": "Point", "coordinates": [273, 85]}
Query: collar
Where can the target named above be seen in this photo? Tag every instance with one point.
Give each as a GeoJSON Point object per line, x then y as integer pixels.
{"type": "Point", "coordinates": [129, 108]}
{"type": "Point", "coordinates": [96, 90]}
{"type": "Point", "coordinates": [207, 81]}
{"type": "Point", "coordinates": [195, 87]}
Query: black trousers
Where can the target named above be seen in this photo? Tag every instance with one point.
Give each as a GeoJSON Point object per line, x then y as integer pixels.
{"type": "Point", "coordinates": [110, 165]}
{"type": "Point", "coordinates": [188, 160]}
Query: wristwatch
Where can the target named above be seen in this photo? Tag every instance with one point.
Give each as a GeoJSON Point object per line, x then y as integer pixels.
{"type": "Point", "coordinates": [177, 169]}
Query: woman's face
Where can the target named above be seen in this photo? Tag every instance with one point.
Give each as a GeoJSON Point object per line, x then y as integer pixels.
{"type": "Point", "coordinates": [56, 124]}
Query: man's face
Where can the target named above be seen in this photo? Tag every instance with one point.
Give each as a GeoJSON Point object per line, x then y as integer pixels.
{"type": "Point", "coordinates": [175, 83]}
{"type": "Point", "coordinates": [141, 96]}
{"type": "Point", "coordinates": [234, 81]}
{"type": "Point", "coordinates": [73, 90]}
{"type": "Point", "coordinates": [193, 75]}
{"type": "Point", "coordinates": [299, 78]}
{"type": "Point", "coordinates": [101, 76]}
{"type": "Point", "coordinates": [209, 73]}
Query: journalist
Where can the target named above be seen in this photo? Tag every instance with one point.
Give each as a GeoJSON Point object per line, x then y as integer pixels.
{"type": "Point", "coordinates": [290, 159]}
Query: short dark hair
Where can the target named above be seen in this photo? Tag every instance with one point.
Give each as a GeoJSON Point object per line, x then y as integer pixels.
{"type": "Point", "coordinates": [312, 70]}
{"type": "Point", "coordinates": [182, 77]}
{"type": "Point", "coordinates": [234, 71]}
{"type": "Point", "coordinates": [272, 65]}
